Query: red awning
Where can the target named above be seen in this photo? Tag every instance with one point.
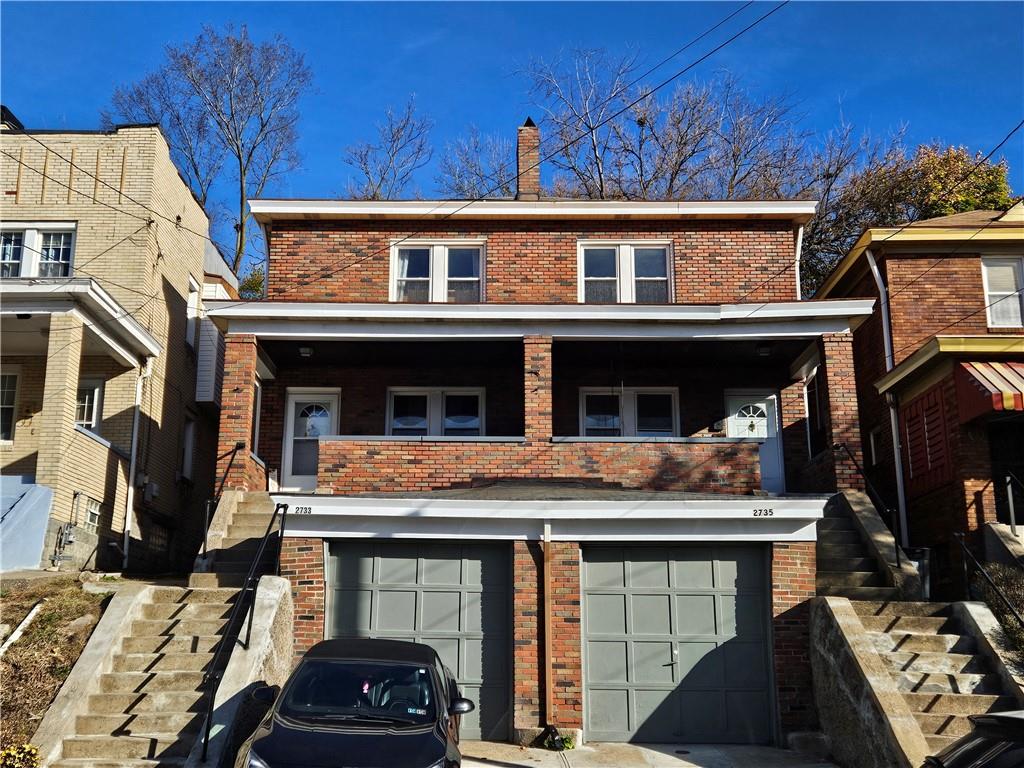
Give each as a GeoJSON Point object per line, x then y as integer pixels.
{"type": "Point", "coordinates": [985, 387]}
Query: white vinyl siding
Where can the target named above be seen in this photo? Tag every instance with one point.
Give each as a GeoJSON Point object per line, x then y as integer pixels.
{"type": "Point", "coordinates": [1004, 291]}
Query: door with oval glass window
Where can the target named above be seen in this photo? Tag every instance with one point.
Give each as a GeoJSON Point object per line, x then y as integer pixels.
{"type": "Point", "coordinates": [309, 415]}
{"type": "Point", "coordinates": [755, 415]}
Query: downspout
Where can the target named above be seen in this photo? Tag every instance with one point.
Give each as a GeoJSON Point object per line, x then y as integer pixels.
{"type": "Point", "coordinates": [894, 418]}
{"type": "Point", "coordinates": [129, 505]}
{"type": "Point", "coordinates": [550, 731]}
{"type": "Point", "coordinates": [796, 263]}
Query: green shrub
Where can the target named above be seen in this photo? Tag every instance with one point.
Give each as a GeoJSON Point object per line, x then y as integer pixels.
{"type": "Point", "coordinates": [23, 756]}
{"type": "Point", "coordinates": [1010, 579]}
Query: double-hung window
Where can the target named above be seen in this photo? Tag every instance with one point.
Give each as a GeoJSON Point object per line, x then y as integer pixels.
{"type": "Point", "coordinates": [624, 273]}
{"type": "Point", "coordinates": [452, 412]}
{"type": "Point", "coordinates": [629, 412]}
{"type": "Point", "coordinates": [8, 405]}
{"type": "Point", "coordinates": [37, 249]}
{"type": "Point", "coordinates": [192, 312]}
{"type": "Point", "coordinates": [89, 404]}
{"type": "Point", "coordinates": [1004, 291]}
{"type": "Point", "coordinates": [437, 272]}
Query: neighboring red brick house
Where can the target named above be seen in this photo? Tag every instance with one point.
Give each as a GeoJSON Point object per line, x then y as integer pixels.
{"type": "Point", "coordinates": [941, 364]}
{"type": "Point", "coordinates": [565, 442]}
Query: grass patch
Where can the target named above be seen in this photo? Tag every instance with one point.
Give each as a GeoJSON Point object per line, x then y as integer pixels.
{"type": "Point", "coordinates": [34, 668]}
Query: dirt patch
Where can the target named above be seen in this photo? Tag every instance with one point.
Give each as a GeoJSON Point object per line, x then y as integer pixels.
{"type": "Point", "coordinates": [34, 668]}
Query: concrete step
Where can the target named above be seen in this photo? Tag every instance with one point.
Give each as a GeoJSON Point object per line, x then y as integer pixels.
{"type": "Point", "coordinates": [926, 682]}
{"type": "Point", "coordinates": [847, 564]}
{"type": "Point", "coordinates": [858, 593]}
{"type": "Point", "coordinates": [216, 580]}
{"type": "Point", "coordinates": [943, 725]}
{"type": "Point", "coordinates": [850, 579]}
{"type": "Point", "coordinates": [889, 642]}
{"type": "Point", "coordinates": [959, 703]}
{"type": "Point", "coordinates": [163, 762]}
{"type": "Point", "coordinates": [837, 523]}
{"type": "Point", "coordinates": [938, 743]}
{"type": "Point", "coordinates": [183, 611]}
{"type": "Point", "coordinates": [151, 682]}
{"type": "Point", "coordinates": [937, 663]}
{"type": "Point", "coordinates": [243, 556]}
{"type": "Point", "coordinates": [917, 624]}
{"type": "Point", "coordinates": [161, 701]}
{"type": "Point", "coordinates": [137, 724]}
{"type": "Point", "coordinates": [171, 644]}
{"type": "Point", "coordinates": [108, 747]}
{"type": "Point", "coordinates": [150, 627]}
{"type": "Point", "coordinates": [162, 662]}
{"type": "Point", "coordinates": [186, 595]}
{"type": "Point", "coordinates": [827, 551]}
{"type": "Point", "coordinates": [898, 608]}
{"type": "Point", "coordinates": [246, 542]}
{"type": "Point", "coordinates": [247, 530]}
{"type": "Point", "coordinates": [831, 536]}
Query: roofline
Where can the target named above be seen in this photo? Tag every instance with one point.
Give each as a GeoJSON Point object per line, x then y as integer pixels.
{"type": "Point", "coordinates": [266, 210]}
{"type": "Point", "coordinates": [939, 346]}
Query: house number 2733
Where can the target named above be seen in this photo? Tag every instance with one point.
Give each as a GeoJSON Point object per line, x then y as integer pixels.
{"type": "Point", "coordinates": [764, 512]}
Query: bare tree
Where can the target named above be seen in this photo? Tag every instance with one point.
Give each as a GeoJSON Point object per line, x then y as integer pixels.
{"type": "Point", "coordinates": [478, 166]}
{"type": "Point", "coordinates": [228, 103]}
{"type": "Point", "coordinates": [386, 166]}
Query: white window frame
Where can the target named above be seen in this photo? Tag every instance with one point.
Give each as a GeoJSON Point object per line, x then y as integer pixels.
{"type": "Point", "coordinates": [96, 385]}
{"type": "Point", "coordinates": [92, 508]}
{"type": "Point", "coordinates": [625, 282]}
{"type": "Point", "coordinates": [627, 407]}
{"type": "Point", "coordinates": [435, 407]}
{"type": "Point", "coordinates": [257, 403]}
{"type": "Point", "coordinates": [1018, 263]}
{"type": "Point", "coordinates": [193, 304]}
{"type": "Point", "coordinates": [32, 244]}
{"type": "Point", "coordinates": [438, 288]}
{"type": "Point", "coordinates": [15, 371]}
{"type": "Point", "coordinates": [188, 446]}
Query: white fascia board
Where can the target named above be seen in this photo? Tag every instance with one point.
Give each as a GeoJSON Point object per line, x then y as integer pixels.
{"type": "Point", "coordinates": [267, 210]}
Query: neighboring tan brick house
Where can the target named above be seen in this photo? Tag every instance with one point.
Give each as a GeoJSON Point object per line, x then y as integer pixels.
{"type": "Point", "coordinates": [940, 363]}
{"type": "Point", "coordinates": [103, 267]}
{"type": "Point", "coordinates": [448, 393]}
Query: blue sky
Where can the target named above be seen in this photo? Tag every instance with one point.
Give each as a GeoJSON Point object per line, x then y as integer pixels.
{"type": "Point", "coordinates": [952, 72]}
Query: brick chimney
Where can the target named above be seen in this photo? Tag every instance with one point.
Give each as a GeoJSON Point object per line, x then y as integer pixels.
{"type": "Point", "coordinates": [528, 161]}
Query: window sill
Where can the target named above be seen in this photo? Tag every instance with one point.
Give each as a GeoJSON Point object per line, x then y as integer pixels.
{"type": "Point", "coordinates": [102, 441]}
{"type": "Point", "coordinates": [420, 439]}
{"type": "Point", "coordinates": [704, 440]}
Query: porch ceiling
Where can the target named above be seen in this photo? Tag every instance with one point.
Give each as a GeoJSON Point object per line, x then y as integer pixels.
{"type": "Point", "coordinates": [28, 335]}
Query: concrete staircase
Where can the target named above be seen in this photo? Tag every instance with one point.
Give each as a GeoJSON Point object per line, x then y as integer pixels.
{"type": "Point", "coordinates": [935, 665]}
{"type": "Point", "coordinates": [846, 567]}
{"type": "Point", "coordinates": [235, 552]}
{"type": "Point", "coordinates": [151, 706]}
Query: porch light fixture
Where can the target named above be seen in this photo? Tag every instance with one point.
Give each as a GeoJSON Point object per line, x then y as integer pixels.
{"type": "Point", "coordinates": [763, 350]}
{"type": "Point", "coordinates": [305, 351]}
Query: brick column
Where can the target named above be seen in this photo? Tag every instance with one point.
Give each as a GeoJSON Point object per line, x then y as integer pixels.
{"type": "Point", "coordinates": [793, 575]}
{"type": "Point", "coordinates": [527, 661]}
{"type": "Point", "coordinates": [840, 384]}
{"type": "Point", "coordinates": [537, 383]}
{"type": "Point", "coordinates": [565, 640]}
{"type": "Point", "coordinates": [57, 417]}
{"type": "Point", "coordinates": [236, 416]}
{"type": "Point", "coordinates": [302, 563]}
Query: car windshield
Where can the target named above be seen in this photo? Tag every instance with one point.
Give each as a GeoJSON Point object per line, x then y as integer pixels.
{"type": "Point", "coordinates": [360, 692]}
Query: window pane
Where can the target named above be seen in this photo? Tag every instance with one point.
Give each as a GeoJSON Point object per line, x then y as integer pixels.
{"type": "Point", "coordinates": [599, 262]}
{"type": "Point", "coordinates": [409, 415]}
{"type": "Point", "coordinates": [1002, 276]}
{"type": "Point", "coordinates": [463, 291]}
{"type": "Point", "coordinates": [652, 291]}
{"type": "Point", "coordinates": [463, 262]}
{"type": "Point", "coordinates": [600, 292]}
{"type": "Point", "coordinates": [6, 422]}
{"type": "Point", "coordinates": [10, 254]}
{"type": "Point", "coordinates": [312, 420]}
{"type": "Point", "coordinates": [85, 407]}
{"type": "Point", "coordinates": [413, 262]}
{"type": "Point", "coordinates": [650, 262]}
{"type": "Point", "coordinates": [654, 415]}
{"type": "Point", "coordinates": [414, 291]}
{"type": "Point", "coordinates": [1006, 311]}
{"type": "Point", "coordinates": [601, 415]}
{"type": "Point", "coordinates": [55, 255]}
{"type": "Point", "coordinates": [8, 386]}
{"type": "Point", "coordinates": [305, 454]}
{"type": "Point", "coordinates": [462, 415]}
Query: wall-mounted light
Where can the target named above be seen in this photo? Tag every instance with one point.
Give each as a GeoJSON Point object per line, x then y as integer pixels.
{"type": "Point", "coordinates": [305, 351]}
{"type": "Point", "coordinates": [764, 349]}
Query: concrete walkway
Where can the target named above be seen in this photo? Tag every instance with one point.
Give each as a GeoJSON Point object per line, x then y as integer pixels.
{"type": "Point", "coordinates": [483, 754]}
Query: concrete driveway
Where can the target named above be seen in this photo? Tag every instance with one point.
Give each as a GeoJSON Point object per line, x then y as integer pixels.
{"type": "Point", "coordinates": [483, 754]}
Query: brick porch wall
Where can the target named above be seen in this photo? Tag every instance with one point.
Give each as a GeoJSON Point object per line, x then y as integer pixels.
{"type": "Point", "coordinates": [236, 417]}
{"type": "Point", "coordinates": [302, 563]}
{"type": "Point", "coordinates": [793, 575]}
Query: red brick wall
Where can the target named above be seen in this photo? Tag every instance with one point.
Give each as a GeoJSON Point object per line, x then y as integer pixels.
{"type": "Point", "coordinates": [793, 574]}
{"type": "Point", "coordinates": [532, 262]}
{"type": "Point", "coordinates": [566, 641]}
{"type": "Point", "coordinates": [399, 465]}
{"type": "Point", "coordinates": [527, 621]}
{"type": "Point", "coordinates": [236, 416]}
{"type": "Point", "coordinates": [302, 563]}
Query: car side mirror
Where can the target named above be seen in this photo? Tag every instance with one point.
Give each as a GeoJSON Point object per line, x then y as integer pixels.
{"type": "Point", "coordinates": [461, 707]}
{"type": "Point", "coordinates": [265, 694]}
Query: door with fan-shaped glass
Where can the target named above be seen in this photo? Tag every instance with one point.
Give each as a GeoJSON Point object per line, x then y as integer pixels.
{"type": "Point", "coordinates": [310, 414]}
{"type": "Point", "coordinates": [754, 415]}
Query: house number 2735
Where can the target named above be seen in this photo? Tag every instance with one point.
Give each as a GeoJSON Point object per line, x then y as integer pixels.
{"type": "Point", "coordinates": [764, 512]}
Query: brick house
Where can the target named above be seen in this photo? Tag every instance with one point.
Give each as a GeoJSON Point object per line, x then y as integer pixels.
{"type": "Point", "coordinates": [941, 372]}
{"type": "Point", "coordinates": [109, 377]}
{"type": "Point", "coordinates": [565, 442]}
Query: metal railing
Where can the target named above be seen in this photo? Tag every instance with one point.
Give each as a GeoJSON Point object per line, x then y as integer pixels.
{"type": "Point", "coordinates": [876, 498]}
{"type": "Point", "coordinates": [970, 561]}
{"type": "Point", "coordinates": [1010, 480]}
{"type": "Point", "coordinates": [213, 501]}
{"type": "Point", "coordinates": [247, 594]}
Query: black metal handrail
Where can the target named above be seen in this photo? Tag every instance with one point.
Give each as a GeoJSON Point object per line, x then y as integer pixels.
{"type": "Point", "coordinates": [211, 679]}
{"type": "Point", "coordinates": [213, 501]}
{"type": "Point", "coordinates": [876, 497]}
{"type": "Point", "coordinates": [1010, 480]}
{"type": "Point", "coordinates": [971, 561]}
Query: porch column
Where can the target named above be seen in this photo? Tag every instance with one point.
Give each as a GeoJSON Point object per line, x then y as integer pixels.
{"type": "Point", "coordinates": [843, 416]}
{"type": "Point", "coordinates": [236, 417]}
{"type": "Point", "coordinates": [537, 382]}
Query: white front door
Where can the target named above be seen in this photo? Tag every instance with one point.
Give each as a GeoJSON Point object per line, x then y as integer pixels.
{"type": "Point", "coordinates": [755, 415]}
{"type": "Point", "coordinates": [310, 414]}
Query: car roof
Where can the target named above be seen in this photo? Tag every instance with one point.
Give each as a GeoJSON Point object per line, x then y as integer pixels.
{"type": "Point", "coordinates": [1014, 719]}
{"type": "Point", "coordinates": [372, 650]}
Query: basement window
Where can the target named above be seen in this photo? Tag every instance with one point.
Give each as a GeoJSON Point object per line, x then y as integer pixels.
{"type": "Point", "coordinates": [629, 412]}
{"type": "Point", "coordinates": [93, 513]}
{"type": "Point", "coordinates": [422, 412]}
{"type": "Point", "coordinates": [451, 272]}
{"type": "Point", "coordinates": [624, 273]}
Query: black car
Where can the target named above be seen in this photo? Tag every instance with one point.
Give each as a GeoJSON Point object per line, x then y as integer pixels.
{"type": "Point", "coordinates": [996, 741]}
{"type": "Point", "coordinates": [362, 704]}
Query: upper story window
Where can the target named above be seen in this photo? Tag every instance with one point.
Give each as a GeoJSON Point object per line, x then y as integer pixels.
{"type": "Point", "coordinates": [1004, 291]}
{"type": "Point", "coordinates": [437, 272]}
{"type": "Point", "coordinates": [452, 412]}
{"type": "Point", "coordinates": [629, 412]}
{"type": "Point", "coordinates": [89, 404]}
{"type": "Point", "coordinates": [624, 273]}
{"type": "Point", "coordinates": [8, 404]}
{"type": "Point", "coordinates": [192, 312]}
{"type": "Point", "coordinates": [37, 249]}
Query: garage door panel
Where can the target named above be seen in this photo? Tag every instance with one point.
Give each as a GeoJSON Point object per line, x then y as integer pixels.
{"type": "Point", "coordinates": [695, 615]}
{"type": "Point", "coordinates": [607, 661]}
{"type": "Point", "coordinates": [745, 665]}
{"type": "Point", "coordinates": [355, 569]}
{"type": "Point", "coordinates": [648, 569]}
{"type": "Point", "coordinates": [653, 662]}
{"type": "Point", "coordinates": [652, 614]}
{"type": "Point", "coordinates": [442, 566]}
{"type": "Point", "coordinates": [655, 714]}
{"type": "Point", "coordinates": [398, 566]}
{"type": "Point", "coordinates": [693, 569]}
{"type": "Point", "coordinates": [606, 614]}
{"type": "Point", "coordinates": [441, 611]}
{"type": "Point", "coordinates": [742, 616]}
{"type": "Point", "coordinates": [353, 610]}
{"type": "Point", "coordinates": [700, 665]}
{"type": "Point", "coordinates": [748, 716]}
{"type": "Point", "coordinates": [741, 569]}
{"type": "Point", "coordinates": [396, 610]}
{"type": "Point", "coordinates": [606, 569]}
{"type": "Point", "coordinates": [605, 708]}
{"type": "Point", "coordinates": [702, 716]}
